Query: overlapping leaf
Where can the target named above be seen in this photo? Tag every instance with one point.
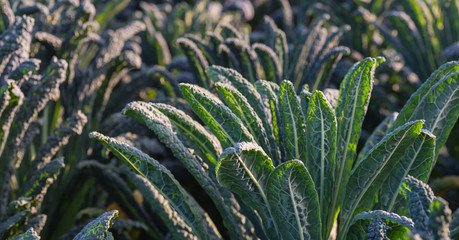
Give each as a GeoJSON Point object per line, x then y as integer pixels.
{"type": "Point", "coordinates": [294, 201]}
{"type": "Point", "coordinates": [244, 169]}
{"type": "Point", "coordinates": [369, 174]}
{"type": "Point", "coordinates": [320, 140]}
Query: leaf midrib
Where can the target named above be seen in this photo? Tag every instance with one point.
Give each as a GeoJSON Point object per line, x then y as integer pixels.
{"type": "Point", "coordinates": [175, 207]}
{"type": "Point", "coordinates": [392, 202]}
{"type": "Point", "coordinates": [212, 118]}
{"type": "Point", "coordinates": [200, 143]}
{"type": "Point", "coordinates": [297, 216]}
{"type": "Point", "coordinates": [322, 159]}
{"type": "Point", "coordinates": [437, 119]}
{"type": "Point", "coordinates": [260, 189]}
{"type": "Point", "coordinates": [354, 206]}
{"type": "Point", "coordinates": [295, 134]}
{"type": "Point", "coordinates": [343, 163]}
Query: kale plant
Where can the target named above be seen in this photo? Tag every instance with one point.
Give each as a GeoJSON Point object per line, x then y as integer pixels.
{"type": "Point", "coordinates": [310, 59]}
{"type": "Point", "coordinates": [57, 73]}
{"type": "Point", "coordinates": [290, 158]}
{"type": "Point", "coordinates": [24, 94]}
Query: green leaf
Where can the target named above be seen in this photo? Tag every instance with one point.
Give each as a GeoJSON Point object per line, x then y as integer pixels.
{"type": "Point", "coordinates": [419, 196]}
{"type": "Point", "coordinates": [305, 97]}
{"type": "Point", "coordinates": [10, 102]}
{"type": "Point", "coordinates": [214, 40]}
{"type": "Point", "coordinates": [109, 11]}
{"type": "Point", "coordinates": [277, 40]}
{"type": "Point", "coordinates": [59, 137]}
{"type": "Point", "coordinates": [302, 49]}
{"type": "Point", "coordinates": [223, 199]}
{"type": "Point", "coordinates": [437, 102]}
{"type": "Point", "coordinates": [380, 131]}
{"type": "Point", "coordinates": [13, 220]}
{"type": "Point", "coordinates": [175, 222]}
{"type": "Point", "coordinates": [164, 182]}
{"type": "Point", "coordinates": [254, 98]}
{"type": "Point", "coordinates": [321, 71]}
{"type": "Point", "coordinates": [294, 202]}
{"type": "Point", "coordinates": [354, 97]}
{"type": "Point", "coordinates": [37, 185]}
{"type": "Point", "coordinates": [193, 131]}
{"type": "Point", "coordinates": [244, 169]}
{"type": "Point", "coordinates": [196, 59]}
{"type": "Point", "coordinates": [224, 124]}
{"type": "Point", "coordinates": [320, 140]}
{"type": "Point", "coordinates": [377, 230]}
{"type": "Point", "coordinates": [229, 31]}
{"type": "Point", "coordinates": [411, 40]}
{"type": "Point", "coordinates": [269, 91]}
{"type": "Point", "coordinates": [269, 61]}
{"type": "Point", "coordinates": [246, 57]}
{"type": "Point", "coordinates": [402, 220]}
{"type": "Point", "coordinates": [369, 174]}
{"type": "Point", "coordinates": [440, 218]}
{"type": "Point", "coordinates": [418, 160]}
{"type": "Point", "coordinates": [291, 124]}
{"type": "Point", "coordinates": [206, 50]}
{"type": "Point", "coordinates": [30, 234]}
{"type": "Point", "coordinates": [240, 106]}
{"type": "Point", "coordinates": [98, 228]}
{"type": "Point", "coordinates": [454, 227]}
{"type": "Point", "coordinates": [113, 182]}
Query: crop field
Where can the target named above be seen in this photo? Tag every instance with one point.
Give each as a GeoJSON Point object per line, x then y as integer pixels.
{"type": "Point", "coordinates": [229, 119]}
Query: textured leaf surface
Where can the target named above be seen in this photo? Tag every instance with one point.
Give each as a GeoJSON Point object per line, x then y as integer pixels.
{"type": "Point", "coordinates": [38, 184]}
{"type": "Point", "coordinates": [302, 48]}
{"type": "Point", "coordinates": [294, 202]}
{"type": "Point", "coordinates": [164, 182]}
{"type": "Point", "coordinates": [354, 97]}
{"type": "Point", "coordinates": [98, 228]}
{"type": "Point", "coordinates": [419, 196]}
{"type": "Point", "coordinates": [113, 182]}
{"type": "Point", "coordinates": [193, 131]}
{"type": "Point", "coordinates": [30, 234]}
{"type": "Point", "coordinates": [244, 169]}
{"type": "Point", "coordinates": [380, 131]}
{"type": "Point", "coordinates": [13, 220]}
{"type": "Point", "coordinates": [246, 57]}
{"type": "Point", "coordinates": [377, 230]}
{"type": "Point", "coordinates": [352, 105]}
{"type": "Point", "coordinates": [437, 102]}
{"type": "Point", "coordinates": [11, 99]}
{"type": "Point", "coordinates": [402, 220]}
{"type": "Point", "coordinates": [223, 199]}
{"type": "Point", "coordinates": [254, 98]}
{"type": "Point", "coordinates": [224, 124]}
{"type": "Point", "coordinates": [291, 124]}
{"type": "Point", "coordinates": [196, 59]}
{"type": "Point", "coordinates": [277, 40]}
{"type": "Point", "coordinates": [59, 137]}
{"type": "Point", "coordinates": [269, 61]}
{"type": "Point", "coordinates": [440, 218]}
{"type": "Point", "coordinates": [454, 227]}
{"type": "Point", "coordinates": [175, 222]}
{"type": "Point", "coordinates": [418, 160]}
{"type": "Point", "coordinates": [269, 92]}
{"type": "Point", "coordinates": [369, 174]}
{"type": "Point", "coordinates": [240, 106]}
{"type": "Point", "coordinates": [320, 149]}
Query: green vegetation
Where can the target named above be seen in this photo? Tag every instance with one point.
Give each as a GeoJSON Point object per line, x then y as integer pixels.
{"type": "Point", "coordinates": [229, 119]}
